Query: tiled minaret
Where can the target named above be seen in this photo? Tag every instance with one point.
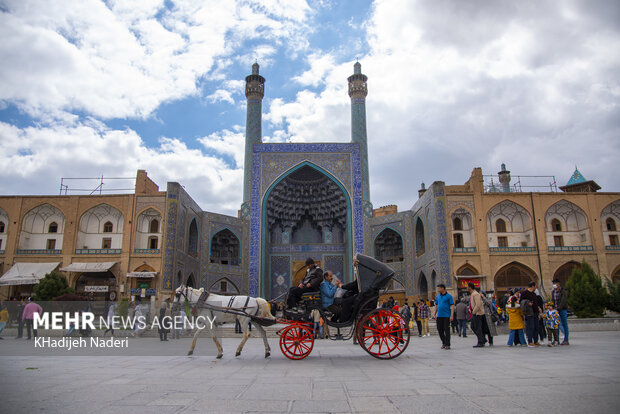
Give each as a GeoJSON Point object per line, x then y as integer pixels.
{"type": "Point", "coordinates": [254, 92]}
{"type": "Point", "coordinates": [358, 90]}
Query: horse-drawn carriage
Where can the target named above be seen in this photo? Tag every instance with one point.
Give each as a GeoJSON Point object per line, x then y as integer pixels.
{"type": "Point", "coordinates": [380, 332]}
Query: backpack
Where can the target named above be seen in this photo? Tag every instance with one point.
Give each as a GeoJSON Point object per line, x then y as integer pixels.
{"type": "Point", "coordinates": [526, 306]}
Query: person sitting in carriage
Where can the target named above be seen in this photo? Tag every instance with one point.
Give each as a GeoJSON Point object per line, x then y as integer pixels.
{"type": "Point", "coordinates": [341, 307]}
{"type": "Point", "coordinates": [310, 283]}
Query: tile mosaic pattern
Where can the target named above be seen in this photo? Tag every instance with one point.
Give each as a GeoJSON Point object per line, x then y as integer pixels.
{"type": "Point", "coordinates": [253, 135]}
{"type": "Point", "coordinates": [172, 203]}
{"type": "Point", "coordinates": [358, 135]}
{"type": "Point", "coordinates": [280, 275]}
{"type": "Point", "coordinates": [181, 209]}
{"type": "Point", "coordinates": [275, 164]}
{"type": "Point", "coordinates": [402, 223]}
{"type": "Point", "coordinates": [334, 263]}
{"type": "Point", "coordinates": [442, 238]}
{"type": "Point", "coordinates": [326, 156]}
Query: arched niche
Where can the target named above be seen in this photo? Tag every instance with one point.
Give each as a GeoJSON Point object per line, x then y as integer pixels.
{"type": "Point", "coordinates": [192, 239]}
{"type": "Point", "coordinates": [420, 245]}
{"type": "Point", "coordinates": [564, 272]}
{"type": "Point", "coordinates": [389, 246]}
{"type": "Point", "coordinates": [509, 226]}
{"type": "Point", "coordinates": [513, 276]}
{"type": "Point", "coordinates": [36, 225]}
{"type": "Point", "coordinates": [610, 220]}
{"type": "Point", "coordinates": [100, 227]}
{"type": "Point", "coordinates": [225, 248]}
{"type": "Point", "coordinates": [462, 230]}
{"type": "Point", "coordinates": [148, 231]}
{"type": "Point", "coordinates": [224, 286]}
{"type": "Point", "coordinates": [567, 225]}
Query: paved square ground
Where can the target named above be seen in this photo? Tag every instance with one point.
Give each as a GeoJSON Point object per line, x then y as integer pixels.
{"type": "Point", "coordinates": [336, 377]}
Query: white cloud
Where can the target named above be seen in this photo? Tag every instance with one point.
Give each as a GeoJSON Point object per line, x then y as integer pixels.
{"type": "Point", "coordinates": [125, 60]}
{"type": "Point", "coordinates": [32, 161]}
{"type": "Point", "coordinates": [452, 86]}
{"type": "Point", "coordinates": [456, 86]}
{"type": "Point", "coordinates": [320, 65]}
{"type": "Point", "coordinates": [227, 143]}
{"type": "Point", "coordinates": [221, 95]}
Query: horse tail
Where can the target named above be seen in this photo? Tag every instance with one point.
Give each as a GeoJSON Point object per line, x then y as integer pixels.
{"type": "Point", "coordinates": [263, 306]}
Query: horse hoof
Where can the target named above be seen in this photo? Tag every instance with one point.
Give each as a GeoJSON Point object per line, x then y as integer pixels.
{"type": "Point", "coordinates": [267, 354]}
{"type": "Point", "coordinates": [237, 354]}
{"type": "Point", "coordinates": [219, 356]}
{"type": "Point", "coordinates": [190, 353]}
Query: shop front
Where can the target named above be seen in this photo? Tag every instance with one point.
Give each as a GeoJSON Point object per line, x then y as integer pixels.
{"type": "Point", "coordinates": [21, 278]}
{"type": "Point", "coordinates": [95, 281]}
{"type": "Point", "coordinates": [463, 281]}
{"type": "Point", "coordinates": [142, 284]}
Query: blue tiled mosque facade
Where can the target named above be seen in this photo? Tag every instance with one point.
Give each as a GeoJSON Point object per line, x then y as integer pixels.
{"type": "Point", "coordinates": [299, 201]}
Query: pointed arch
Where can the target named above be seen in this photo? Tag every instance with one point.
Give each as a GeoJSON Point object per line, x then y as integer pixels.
{"type": "Point", "coordinates": [615, 275]}
{"type": "Point", "coordinates": [570, 216]}
{"type": "Point", "coordinates": [191, 281]}
{"type": "Point", "coordinates": [515, 216]}
{"type": "Point", "coordinates": [4, 221]}
{"type": "Point", "coordinates": [423, 285]}
{"type": "Point", "coordinates": [148, 231]}
{"type": "Point", "coordinates": [92, 221]}
{"type": "Point", "coordinates": [420, 245]}
{"type": "Point", "coordinates": [509, 226]}
{"type": "Point", "coordinates": [388, 246]}
{"type": "Point", "coordinates": [567, 225]}
{"type": "Point", "coordinates": [514, 275]}
{"type": "Point", "coordinates": [610, 221]}
{"type": "Point", "coordinates": [225, 248]}
{"type": "Point", "coordinates": [463, 237]}
{"type": "Point", "coordinates": [100, 227]}
{"type": "Point", "coordinates": [224, 286]}
{"type": "Point", "coordinates": [262, 282]}
{"type": "Point", "coordinates": [192, 239]}
{"type": "Point", "coordinates": [467, 270]}
{"type": "Point", "coordinates": [42, 228]}
{"type": "Point", "coordinates": [564, 272]}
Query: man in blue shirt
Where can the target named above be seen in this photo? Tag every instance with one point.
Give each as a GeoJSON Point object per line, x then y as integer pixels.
{"type": "Point", "coordinates": [328, 290]}
{"type": "Point", "coordinates": [444, 313]}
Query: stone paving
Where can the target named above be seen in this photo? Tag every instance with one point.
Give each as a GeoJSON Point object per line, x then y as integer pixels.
{"type": "Point", "coordinates": [336, 377]}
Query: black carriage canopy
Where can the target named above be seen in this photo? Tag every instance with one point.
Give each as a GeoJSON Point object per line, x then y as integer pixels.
{"type": "Point", "coordinates": [372, 275]}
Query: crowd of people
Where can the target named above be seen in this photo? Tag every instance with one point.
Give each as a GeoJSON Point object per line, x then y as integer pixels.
{"type": "Point", "coordinates": [21, 313]}
{"type": "Point", "coordinates": [530, 319]}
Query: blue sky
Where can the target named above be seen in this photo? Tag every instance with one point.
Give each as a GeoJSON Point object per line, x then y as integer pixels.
{"type": "Point", "coordinates": [90, 88]}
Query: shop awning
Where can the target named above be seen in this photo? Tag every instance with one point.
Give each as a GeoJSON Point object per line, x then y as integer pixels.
{"type": "Point", "coordinates": [469, 276]}
{"type": "Point", "coordinates": [141, 274]}
{"type": "Point", "coordinates": [27, 273]}
{"type": "Point", "coordinates": [88, 267]}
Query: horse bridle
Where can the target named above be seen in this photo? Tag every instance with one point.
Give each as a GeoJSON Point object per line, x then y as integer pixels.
{"type": "Point", "coordinates": [177, 295]}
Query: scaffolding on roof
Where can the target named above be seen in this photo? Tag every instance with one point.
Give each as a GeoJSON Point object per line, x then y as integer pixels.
{"type": "Point", "coordinates": [98, 182]}
{"type": "Point", "coordinates": [531, 183]}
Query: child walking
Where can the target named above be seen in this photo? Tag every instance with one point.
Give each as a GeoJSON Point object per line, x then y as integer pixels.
{"type": "Point", "coordinates": [552, 323]}
{"type": "Point", "coordinates": [515, 321]}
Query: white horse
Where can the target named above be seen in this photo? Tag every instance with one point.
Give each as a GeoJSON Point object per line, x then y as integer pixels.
{"type": "Point", "coordinates": [237, 304]}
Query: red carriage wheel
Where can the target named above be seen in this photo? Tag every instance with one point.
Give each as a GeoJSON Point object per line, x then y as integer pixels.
{"type": "Point", "coordinates": [383, 334]}
{"type": "Point", "coordinates": [296, 341]}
